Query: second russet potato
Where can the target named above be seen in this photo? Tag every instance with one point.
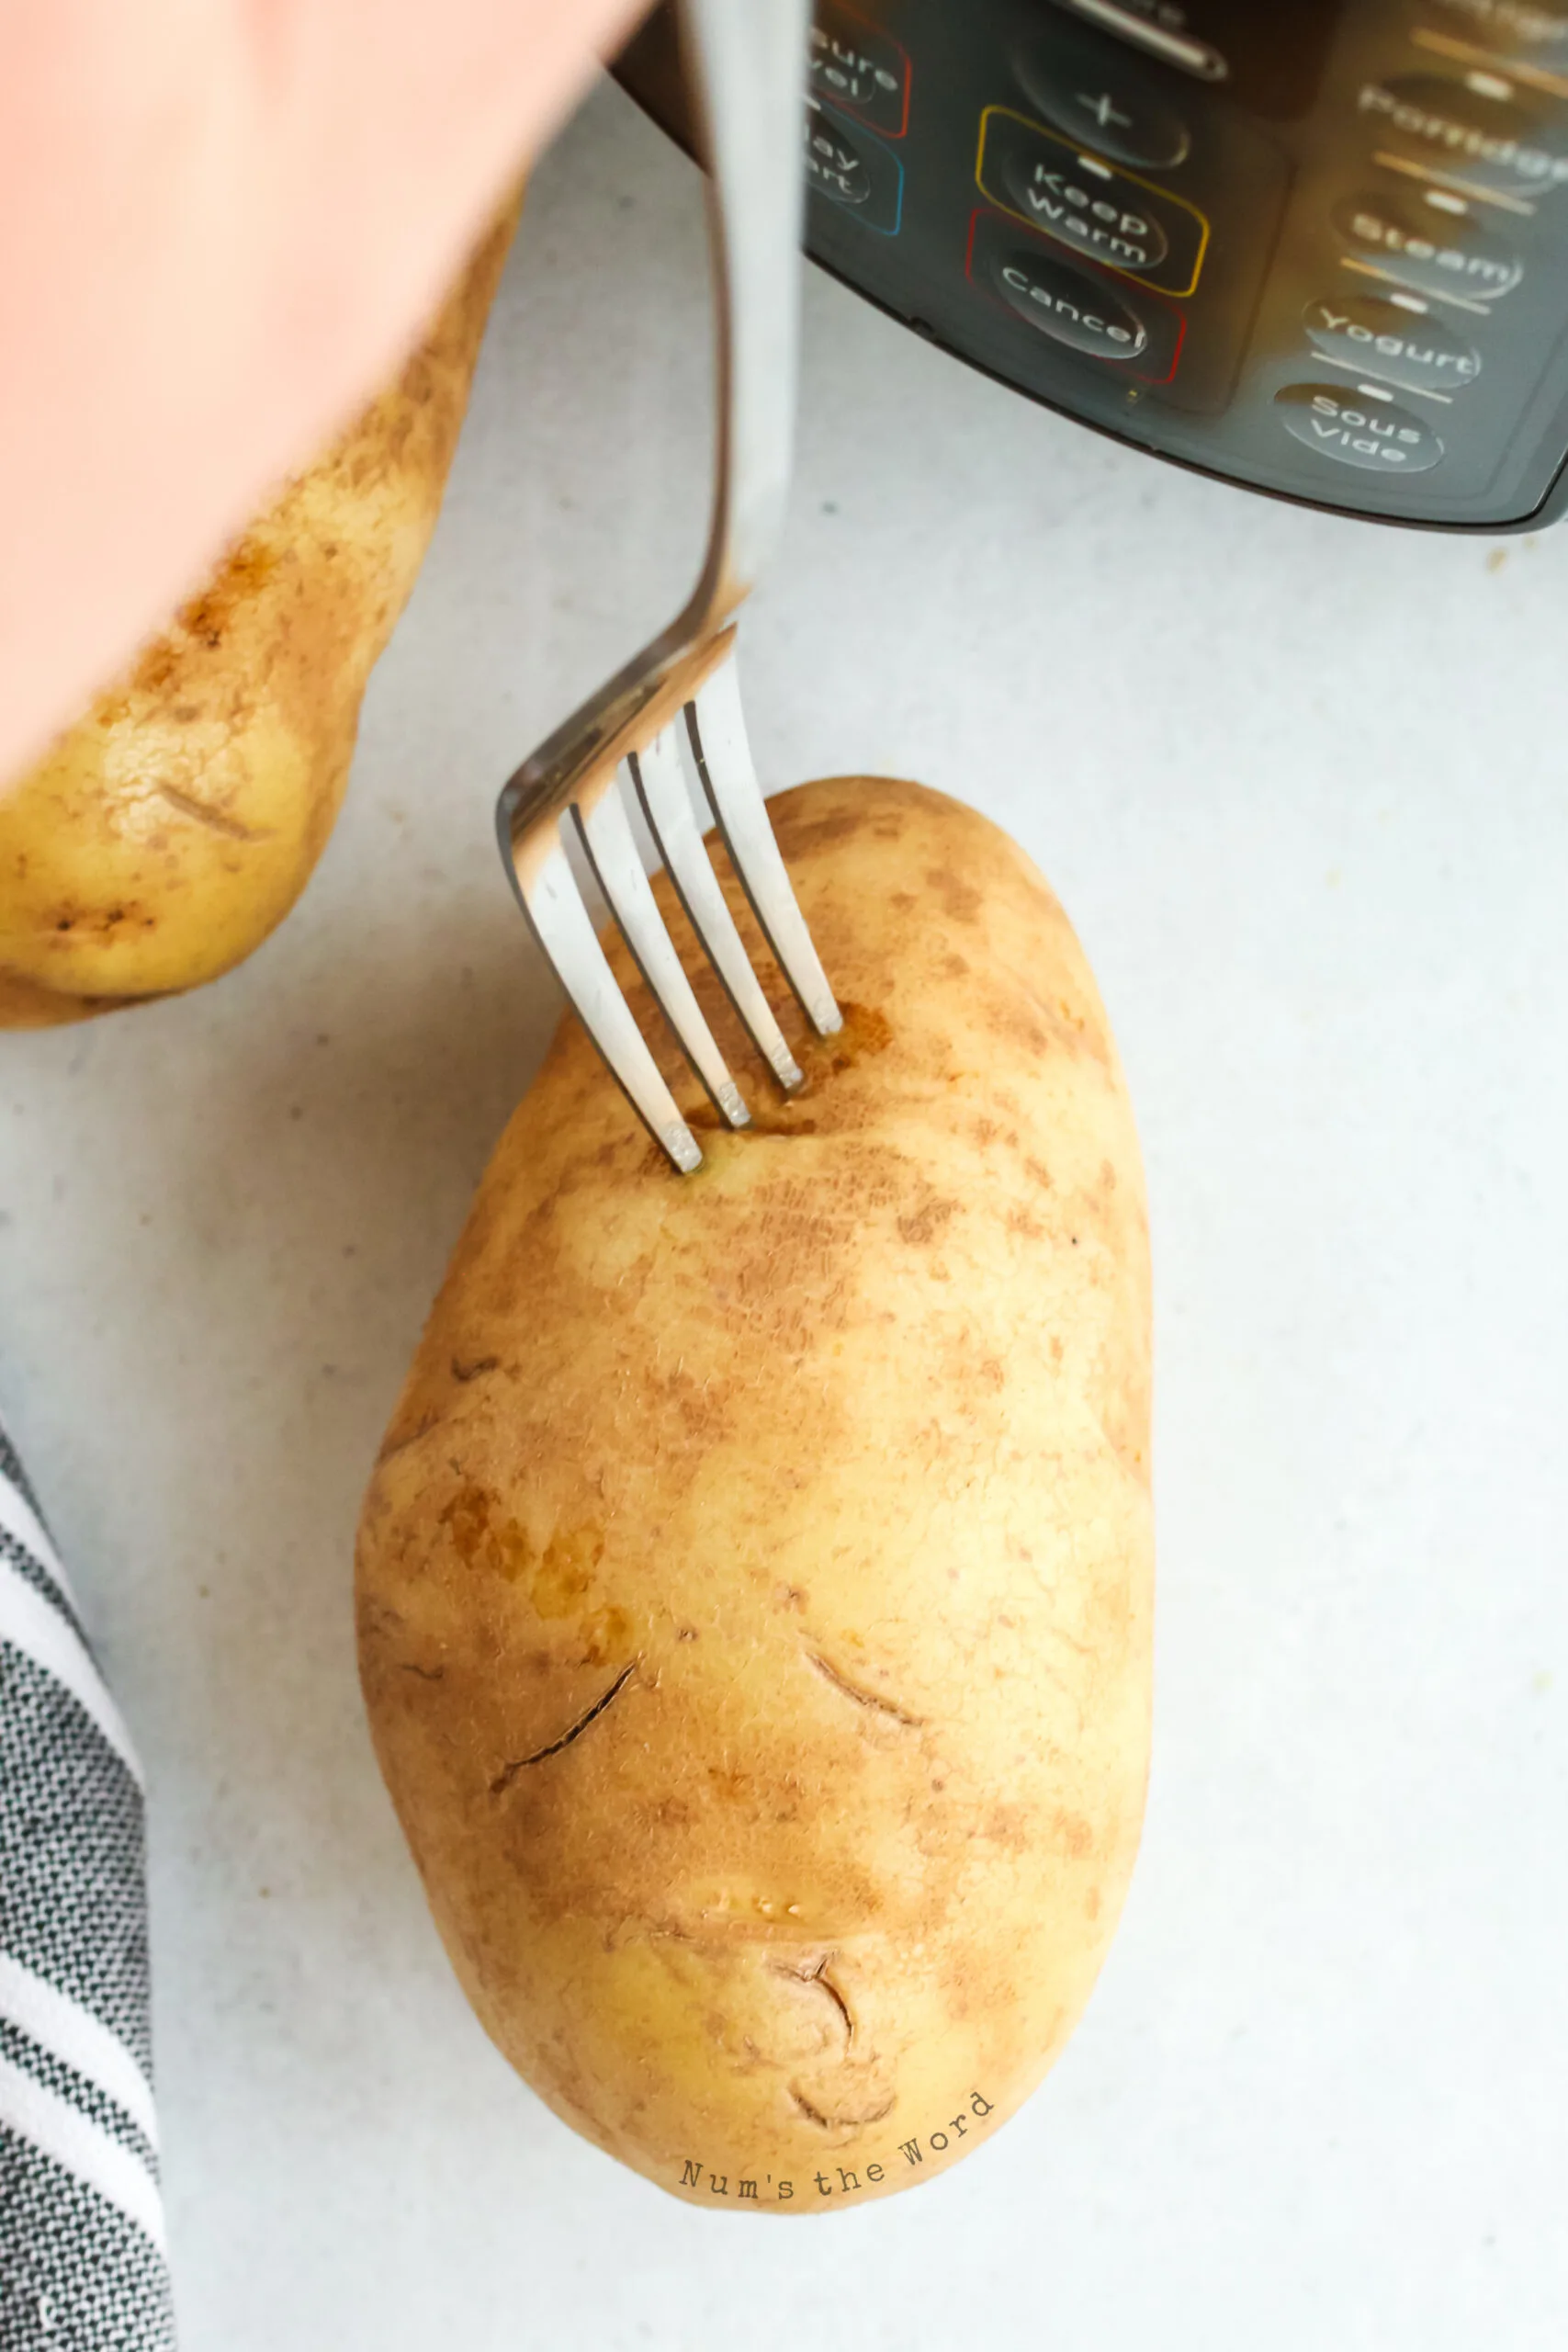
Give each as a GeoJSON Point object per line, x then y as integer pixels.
{"type": "Point", "coordinates": [165, 834]}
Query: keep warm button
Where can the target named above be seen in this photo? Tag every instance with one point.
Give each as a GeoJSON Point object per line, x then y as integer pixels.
{"type": "Point", "coordinates": [1111, 216]}
{"type": "Point", "coordinates": [1357, 430]}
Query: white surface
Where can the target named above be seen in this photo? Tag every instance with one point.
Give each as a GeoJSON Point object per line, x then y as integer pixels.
{"type": "Point", "coordinates": [1300, 785]}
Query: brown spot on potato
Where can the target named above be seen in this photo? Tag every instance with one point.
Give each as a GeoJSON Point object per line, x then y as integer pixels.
{"type": "Point", "coordinates": [101, 921]}
{"type": "Point", "coordinates": [865, 1031]}
{"type": "Point", "coordinates": [1016, 1021]}
{"type": "Point", "coordinates": [804, 836]}
{"type": "Point", "coordinates": [209, 616]}
{"type": "Point", "coordinates": [557, 1579]}
{"type": "Point", "coordinates": [961, 900]}
{"type": "Point", "coordinates": [476, 1539]}
{"type": "Point", "coordinates": [923, 1225]}
{"type": "Point", "coordinates": [566, 1570]}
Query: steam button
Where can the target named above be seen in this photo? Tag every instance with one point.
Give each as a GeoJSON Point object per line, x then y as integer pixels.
{"type": "Point", "coordinates": [1345, 424]}
{"type": "Point", "coordinates": [1089, 89]}
{"type": "Point", "coordinates": [1437, 248]}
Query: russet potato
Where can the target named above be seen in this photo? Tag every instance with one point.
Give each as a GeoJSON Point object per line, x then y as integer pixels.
{"type": "Point", "coordinates": [165, 833]}
{"type": "Point", "coordinates": [754, 1589]}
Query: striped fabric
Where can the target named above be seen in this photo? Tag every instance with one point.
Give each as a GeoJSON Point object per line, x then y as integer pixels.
{"type": "Point", "coordinates": [81, 2263]}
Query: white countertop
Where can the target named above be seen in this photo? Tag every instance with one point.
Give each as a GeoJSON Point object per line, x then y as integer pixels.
{"type": "Point", "coordinates": [1300, 785]}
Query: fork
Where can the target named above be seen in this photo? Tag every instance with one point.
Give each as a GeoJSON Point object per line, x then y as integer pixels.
{"type": "Point", "coordinates": [672, 718]}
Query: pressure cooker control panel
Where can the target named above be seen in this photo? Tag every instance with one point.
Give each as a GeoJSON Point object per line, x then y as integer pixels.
{"type": "Point", "coordinates": [1319, 248]}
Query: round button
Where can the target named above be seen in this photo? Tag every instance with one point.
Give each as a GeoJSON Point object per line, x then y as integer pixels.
{"type": "Point", "coordinates": [1068, 305]}
{"type": "Point", "coordinates": [1480, 135]}
{"type": "Point", "coordinates": [1532, 32]}
{"type": "Point", "coordinates": [1089, 89]}
{"type": "Point", "coordinates": [1102, 217]}
{"type": "Point", "coordinates": [1340, 423]}
{"type": "Point", "coordinates": [834, 164]}
{"type": "Point", "coordinates": [1411, 349]}
{"type": "Point", "coordinates": [1433, 249]}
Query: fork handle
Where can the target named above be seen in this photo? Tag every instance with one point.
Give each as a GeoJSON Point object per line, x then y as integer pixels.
{"type": "Point", "coordinates": [746, 61]}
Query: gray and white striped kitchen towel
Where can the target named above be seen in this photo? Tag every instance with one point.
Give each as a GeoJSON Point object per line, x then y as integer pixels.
{"type": "Point", "coordinates": [81, 2262]}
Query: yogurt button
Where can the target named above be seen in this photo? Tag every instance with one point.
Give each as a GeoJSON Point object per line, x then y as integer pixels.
{"type": "Point", "coordinates": [1410, 348]}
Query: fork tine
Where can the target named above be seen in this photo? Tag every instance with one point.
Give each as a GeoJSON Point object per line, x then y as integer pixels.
{"type": "Point", "coordinates": [743, 60]}
{"type": "Point", "coordinates": [717, 728]}
{"type": "Point", "coordinates": [612, 850]}
{"type": "Point", "coordinates": [552, 903]}
{"type": "Point", "coordinates": [661, 781]}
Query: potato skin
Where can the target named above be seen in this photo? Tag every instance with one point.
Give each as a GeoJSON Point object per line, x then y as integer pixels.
{"type": "Point", "coordinates": [164, 835]}
{"type": "Point", "coordinates": [823, 1477]}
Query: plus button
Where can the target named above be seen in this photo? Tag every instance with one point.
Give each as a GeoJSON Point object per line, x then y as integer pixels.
{"type": "Point", "coordinates": [1104, 109]}
{"type": "Point", "coordinates": [1122, 110]}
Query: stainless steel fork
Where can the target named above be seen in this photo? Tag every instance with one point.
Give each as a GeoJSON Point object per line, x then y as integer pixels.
{"type": "Point", "coordinates": [672, 718]}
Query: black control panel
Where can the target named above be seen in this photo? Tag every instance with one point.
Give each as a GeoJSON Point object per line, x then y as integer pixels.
{"type": "Point", "coordinates": [1319, 247]}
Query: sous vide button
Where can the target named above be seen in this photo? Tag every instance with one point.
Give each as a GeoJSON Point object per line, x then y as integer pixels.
{"type": "Point", "coordinates": [1410, 348]}
{"type": "Point", "coordinates": [1350, 427]}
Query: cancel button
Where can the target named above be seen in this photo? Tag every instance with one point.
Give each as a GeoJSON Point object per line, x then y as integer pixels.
{"type": "Point", "coordinates": [1068, 305]}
